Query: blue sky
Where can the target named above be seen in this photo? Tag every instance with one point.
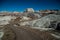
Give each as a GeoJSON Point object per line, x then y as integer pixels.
{"type": "Point", "coordinates": [21, 5]}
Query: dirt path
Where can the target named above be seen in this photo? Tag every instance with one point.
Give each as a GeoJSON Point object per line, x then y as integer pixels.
{"type": "Point", "coordinates": [26, 33]}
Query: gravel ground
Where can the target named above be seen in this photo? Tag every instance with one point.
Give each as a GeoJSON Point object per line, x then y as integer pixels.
{"type": "Point", "coordinates": [25, 33]}
{"type": "Point", "coordinates": [8, 34]}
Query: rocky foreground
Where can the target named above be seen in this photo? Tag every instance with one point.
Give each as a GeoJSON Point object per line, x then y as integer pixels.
{"type": "Point", "coordinates": [16, 28]}
{"type": "Point", "coordinates": [25, 33]}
